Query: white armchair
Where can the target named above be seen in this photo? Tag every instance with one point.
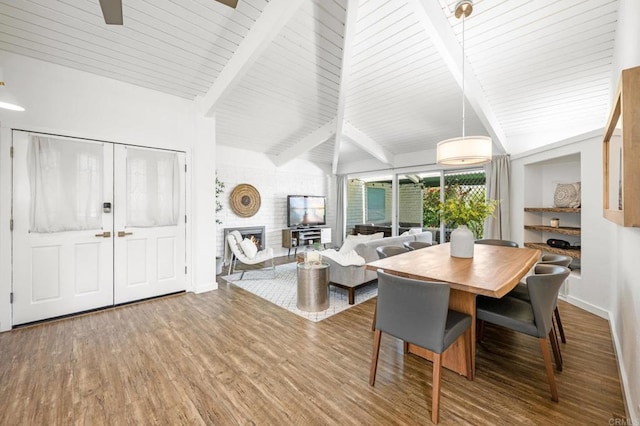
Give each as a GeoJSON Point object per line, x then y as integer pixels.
{"type": "Point", "coordinates": [249, 254]}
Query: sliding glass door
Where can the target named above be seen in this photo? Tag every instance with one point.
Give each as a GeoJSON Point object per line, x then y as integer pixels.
{"type": "Point", "coordinates": [371, 207]}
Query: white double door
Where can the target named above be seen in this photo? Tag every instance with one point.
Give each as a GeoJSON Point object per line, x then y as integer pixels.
{"type": "Point", "coordinates": [110, 261]}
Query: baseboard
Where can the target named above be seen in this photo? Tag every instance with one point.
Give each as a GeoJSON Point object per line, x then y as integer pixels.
{"type": "Point", "coordinates": [204, 287]}
{"type": "Point", "coordinates": [602, 313]}
{"type": "Point", "coordinates": [632, 415]}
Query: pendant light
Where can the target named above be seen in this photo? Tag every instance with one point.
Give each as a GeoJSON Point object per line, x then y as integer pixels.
{"type": "Point", "coordinates": [464, 150]}
{"type": "Point", "coordinates": [7, 100]}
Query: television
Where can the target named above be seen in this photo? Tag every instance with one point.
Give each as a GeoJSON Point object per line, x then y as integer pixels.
{"type": "Point", "coordinates": [306, 210]}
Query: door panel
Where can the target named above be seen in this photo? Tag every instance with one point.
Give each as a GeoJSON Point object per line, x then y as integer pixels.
{"type": "Point", "coordinates": [149, 260]}
{"type": "Point", "coordinates": [58, 273]}
{"type": "Point", "coordinates": [166, 250]}
{"type": "Point", "coordinates": [88, 268]}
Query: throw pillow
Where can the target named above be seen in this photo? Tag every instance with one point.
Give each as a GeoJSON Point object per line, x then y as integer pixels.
{"type": "Point", "coordinates": [567, 195]}
{"type": "Point", "coordinates": [344, 259]}
{"type": "Point", "coordinates": [352, 241]}
{"type": "Point", "coordinates": [249, 248]}
{"type": "Point", "coordinates": [376, 236]}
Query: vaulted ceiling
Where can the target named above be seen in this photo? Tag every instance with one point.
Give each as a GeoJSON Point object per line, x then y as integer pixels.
{"type": "Point", "coordinates": [284, 77]}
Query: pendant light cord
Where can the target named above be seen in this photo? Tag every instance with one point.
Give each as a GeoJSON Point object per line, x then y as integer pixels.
{"type": "Point", "coordinates": [463, 109]}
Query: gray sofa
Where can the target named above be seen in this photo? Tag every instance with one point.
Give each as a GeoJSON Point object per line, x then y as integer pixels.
{"type": "Point", "coordinates": [350, 277]}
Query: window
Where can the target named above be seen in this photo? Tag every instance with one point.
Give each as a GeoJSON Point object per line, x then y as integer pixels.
{"type": "Point", "coordinates": [369, 201]}
{"type": "Point", "coordinates": [375, 205]}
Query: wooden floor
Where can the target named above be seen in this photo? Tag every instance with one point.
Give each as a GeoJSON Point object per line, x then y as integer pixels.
{"type": "Point", "coordinates": [227, 357]}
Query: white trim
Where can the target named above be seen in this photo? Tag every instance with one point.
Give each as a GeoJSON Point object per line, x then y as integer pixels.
{"type": "Point", "coordinates": [632, 416]}
{"type": "Point", "coordinates": [602, 313]}
{"type": "Point", "coordinates": [205, 287]}
{"type": "Point", "coordinates": [6, 237]}
{"type": "Point", "coordinates": [6, 186]}
{"type": "Point", "coordinates": [92, 140]}
{"type": "Point", "coordinates": [595, 310]}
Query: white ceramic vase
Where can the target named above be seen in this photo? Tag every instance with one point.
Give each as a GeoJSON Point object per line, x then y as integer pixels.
{"type": "Point", "coordinates": [462, 241]}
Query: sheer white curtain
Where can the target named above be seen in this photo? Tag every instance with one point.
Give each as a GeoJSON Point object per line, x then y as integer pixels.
{"type": "Point", "coordinates": [153, 188]}
{"type": "Point", "coordinates": [341, 198]}
{"type": "Point", "coordinates": [66, 183]}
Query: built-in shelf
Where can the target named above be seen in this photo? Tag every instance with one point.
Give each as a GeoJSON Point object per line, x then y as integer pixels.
{"type": "Point", "coordinates": [565, 230]}
{"type": "Point", "coordinates": [562, 230]}
{"type": "Point", "coordinates": [544, 247]}
{"type": "Point", "coordinates": [552, 209]}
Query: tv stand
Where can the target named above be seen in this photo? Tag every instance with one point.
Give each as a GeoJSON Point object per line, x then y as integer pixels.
{"type": "Point", "coordinates": [301, 236]}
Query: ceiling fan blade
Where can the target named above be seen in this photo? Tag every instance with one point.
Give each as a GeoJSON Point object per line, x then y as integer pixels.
{"type": "Point", "coordinates": [230, 3]}
{"type": "Point", "coordinates": [112, 11]}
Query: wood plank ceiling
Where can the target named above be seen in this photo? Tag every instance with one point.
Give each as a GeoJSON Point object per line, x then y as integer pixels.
{"type": "Point", "coordinates": [387, 80]}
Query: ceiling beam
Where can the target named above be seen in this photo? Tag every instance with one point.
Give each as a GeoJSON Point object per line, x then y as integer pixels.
{"type": "Point", "coordinates": [430, 15]}
{"type": "Point", "coordinates": [345, 72]}
{"type": "Point", "coordinates": [365, 142]}
{"type": "Point", "coordinates": [274, 17]}
{"type": "Point", "coordinates": [317, 137]}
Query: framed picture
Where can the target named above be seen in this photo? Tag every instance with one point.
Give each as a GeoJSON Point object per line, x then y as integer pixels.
{"type": "Point", "coordinates": [621, 153]}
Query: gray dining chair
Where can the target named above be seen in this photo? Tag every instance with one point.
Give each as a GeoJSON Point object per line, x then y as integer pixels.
{"type": "Point", "coordinates": [416, 245]}
{"type": "Point", "coordinates": [495, 242]}
{"type": "Point", "coordinates": [418, 312]}
{"type": "Point", "coordinates": [533, 317]}
{"type": "Point", "coordinates": [384, 252]}
{"type": "Point", "coordinates": [521, 291]}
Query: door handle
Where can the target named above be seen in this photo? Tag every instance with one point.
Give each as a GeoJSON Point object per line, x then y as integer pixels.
{"type": "Point", "coordinates": [104, 235]}
{"type": "Point", "coordinates": [124, 234]}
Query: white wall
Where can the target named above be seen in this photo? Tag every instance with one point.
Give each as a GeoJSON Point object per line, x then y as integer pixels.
{"type": "Point", "coordinates": [625, 242]}
{"type": "Point", "coordinates": [609, 285]}
{"type": "Point", "coordinates": [74, 103]}
{"type": "Point", "coordinates": [591, 293]}
{"type": "Point", "coordinates": [203, 208]}
{"type": "Point", "coordinates": [298, 177]}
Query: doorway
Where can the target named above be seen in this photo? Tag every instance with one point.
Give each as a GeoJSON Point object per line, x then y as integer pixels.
{"type": "Point", "coordinates": [95, 224]}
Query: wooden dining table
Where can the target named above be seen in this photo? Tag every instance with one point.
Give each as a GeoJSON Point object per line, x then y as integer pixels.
{"type": "Point", "coordinates": [492, 271]}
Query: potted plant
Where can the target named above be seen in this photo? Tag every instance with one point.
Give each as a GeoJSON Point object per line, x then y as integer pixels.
{"type": "Point", "coordinates": [464, 209]}
{"type": "Point", "coordinates": [219, 192]}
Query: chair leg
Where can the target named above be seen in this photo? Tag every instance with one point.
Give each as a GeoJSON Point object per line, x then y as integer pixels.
{"type": "Point", "coordinates": [375, 316]}
{"type": "Point", "coordinates": [479, 330]}
{"type": "Point", "coordinates": [556, 313]}
{"type": "Point", "coordinates": [549, 368]}
{"type": "Point", "coordinates": [374, 357]}
{"type": "Point", "coordinates": [467, 353]}
{"type": "Point", "coordinates": [435, 391]}
{"type": "Point", "coordinates": [555, 346]}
